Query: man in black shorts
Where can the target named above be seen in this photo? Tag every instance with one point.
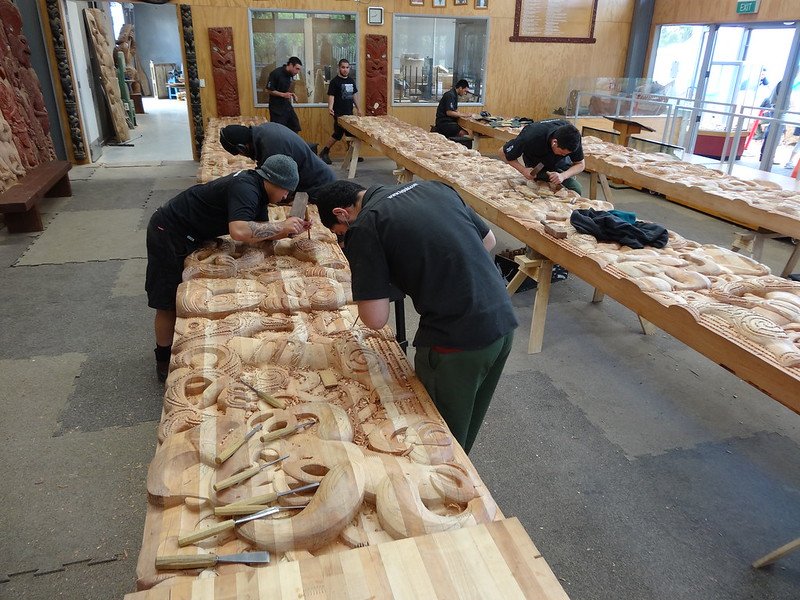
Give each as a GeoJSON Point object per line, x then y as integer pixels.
{"type": "Point", "coordinates": [235, 204]}
{"type": "Point", "coordinates": [552, 152]}
{"type": "Point", "coordinates": [280, 97]}
{"type": "Point", "coordinates": [447, 114]}
{"type": "Point", "coordinates": [342, 100]}
{"type": "Point", "coordinates": [259, 142]}
{"type": "Point", "coordinates": [422, 239]}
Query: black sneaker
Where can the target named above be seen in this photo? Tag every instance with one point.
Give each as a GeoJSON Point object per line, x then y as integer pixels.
{"type": "Point", "coordinates": [324, 156]}
{"type": "Point", "coordinates": [162, 370]}
{"type": "Point", "coordinates": [360, 159]}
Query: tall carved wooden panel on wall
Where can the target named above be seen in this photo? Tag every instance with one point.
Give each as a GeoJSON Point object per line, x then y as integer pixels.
{"type": "Point", "coordinates": [377, 75]}
{"type": "Point", "coordinates": [223, 68]}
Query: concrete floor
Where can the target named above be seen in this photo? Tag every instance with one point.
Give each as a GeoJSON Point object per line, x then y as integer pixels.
{"type": "Point", "coordinates": [639, 468]}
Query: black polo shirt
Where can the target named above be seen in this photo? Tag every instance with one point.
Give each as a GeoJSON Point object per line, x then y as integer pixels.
{"type": "Point", "coordinates": [533, 144]}
{"type": "Point", "coordinates": [204, 211]}
{"type": "Point", "coordinates": [279, 81]}
{"type": "Point", "coordinates": [273, 138]}
{"type": "Point", "coordinates": [424, 240]}
{"type": "Point", "coordinates": [449, 101]}
{"type": "Point", "coordinates": [342, 89]}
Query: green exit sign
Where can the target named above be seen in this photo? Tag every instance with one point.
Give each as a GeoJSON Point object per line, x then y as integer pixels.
{"type": "Point", "coordinates": [747, 7]}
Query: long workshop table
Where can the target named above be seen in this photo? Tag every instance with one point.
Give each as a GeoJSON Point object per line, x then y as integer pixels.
{"type": "Point", "coordinates": [705, 334]}
{"type": "Point", "coordinates": [764, 223]}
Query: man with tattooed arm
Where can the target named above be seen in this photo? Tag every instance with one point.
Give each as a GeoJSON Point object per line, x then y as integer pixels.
{"type": "Point", "coordinates": [235, 204]}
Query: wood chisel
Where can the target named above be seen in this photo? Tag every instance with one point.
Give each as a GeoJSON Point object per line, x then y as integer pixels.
{"type": "Point", "coordinates": [271, 497]}
{"type": "Point", "coordinates": [271, 436]}
{"type": "Point", "coordinates": [245, 474]}
{"type": "Point", "coordinates": [201, 561]}
{"type": "Point", "coordinates": [229, 524]}
{"type": "Point", "coordinates": [271, 400]}
{"type": "Point", "coordinates": [234, 444]}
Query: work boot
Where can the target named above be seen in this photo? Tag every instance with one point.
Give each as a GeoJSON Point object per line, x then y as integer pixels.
{"type": "Point", "coordinates": [162, 370]}
{"type": "Point", "coordinates": [324, 155]}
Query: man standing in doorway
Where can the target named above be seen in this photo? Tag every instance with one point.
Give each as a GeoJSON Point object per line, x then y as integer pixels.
{"type": "Point", "coordinates": [280, 97]}
{"type": "Point", "coordinates": [552, 152]}
{"type": "Point", "coordinates": [447, 114]}
{"type": "Point", "coordinates": [342, 100]}
{"type": "Point", "coordinates": [422, 239]}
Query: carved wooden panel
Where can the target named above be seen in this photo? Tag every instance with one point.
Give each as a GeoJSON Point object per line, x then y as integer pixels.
{"type": "Point", "coordinates": [377, 69]}
{"type": "Point", "coordinates": [223, 68]}
{"type": "Point", "coordinates": [192, 77]}
{"type": "Point", "coordinates": [108, 73]}
{"type": "Point", "coordinates": [10, 165]}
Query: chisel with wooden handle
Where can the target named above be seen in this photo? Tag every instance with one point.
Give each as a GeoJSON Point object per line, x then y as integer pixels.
{"type": "Point", "coordinates": [271, 436]}
{"type": "Point", "coordinates": [272, 496]}
{"type": "Point", "coordinates": [201, 561]}
{"type": "Point", "coordinates": [234, 444]}
{"type": "Point", "coordinates": [229, 524]}
{"type": "Point", "coordinates": [244, 475]}
{"type": "Point", "coordinates": [271, 400]}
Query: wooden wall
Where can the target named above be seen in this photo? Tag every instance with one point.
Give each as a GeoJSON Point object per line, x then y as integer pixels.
{"type": "Point", "coordinates": [722, 11]}
{"type": "Point", "coordinates": [523, 79]}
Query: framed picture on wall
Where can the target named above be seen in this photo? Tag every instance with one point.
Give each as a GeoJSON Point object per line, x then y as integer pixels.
{"type": "Point", "coordinates": [460, 2]}
{"type": "Point", "coordinates": [439, 3]}
{"type": "Point", "coordinates": [417, 2]}
{"type": "Point", "coordinates": [481, 3]}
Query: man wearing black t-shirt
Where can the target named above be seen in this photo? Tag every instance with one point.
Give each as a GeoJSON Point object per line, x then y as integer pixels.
{"type": "Point", "coordinates": [280, 98]}
{"type": "Point", "coordinates": [422, 239]}
{"type": "Point", "coordinates": [235, 204]}
{"type": "Point", "coordinates": [447, 114]}
{"type": "Point", "coordinates": [551, 150]}
{"type": "Point", "coordinates": [259, 142]}
{"type": "Point", "coordinates": [342, 100]}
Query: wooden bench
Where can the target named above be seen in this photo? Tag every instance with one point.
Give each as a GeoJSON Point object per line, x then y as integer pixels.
{"type": "Point", "coordinates": [20, 202]}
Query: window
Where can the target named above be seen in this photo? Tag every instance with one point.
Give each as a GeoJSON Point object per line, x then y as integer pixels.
{"type": "Point", "coordinates": [431, 54]}
{"type": "Point", "coordinates": [320, 40]}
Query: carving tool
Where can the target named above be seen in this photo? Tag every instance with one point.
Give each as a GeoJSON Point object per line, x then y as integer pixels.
{"type": "Point", "coordinates": [201, 561]}
{"type": "Point", "coordinates": [271, 436]}
{"type": "Point", "coordinates": [353, 326]}
{"type": "Point", "coordinates": [271, 400]}
{"type": "Point", "coordinates": [229, 524]}
{"type": "Point", "coordinates": [246, 474]}
{"type": "Point", "coordinates": [272, 496]}
{"type": "Point", "coordinates": [233, 445]}
{"type": "Point", "coordinates": [306, 216]}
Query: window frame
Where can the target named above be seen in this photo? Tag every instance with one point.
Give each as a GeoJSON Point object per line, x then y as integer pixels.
{"type": "Point", "coordinates": [396, 103]}
{"type": "Point", "coordinates": [254, 76]}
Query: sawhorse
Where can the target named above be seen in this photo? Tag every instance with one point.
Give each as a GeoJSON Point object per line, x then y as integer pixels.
{"type": "Point", "coordinates": [540, 269]}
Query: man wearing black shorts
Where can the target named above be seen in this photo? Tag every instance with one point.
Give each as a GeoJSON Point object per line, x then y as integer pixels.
{"type": "Point", "coordinates": [259, 142]}
{"type": "Point", "coordinates": [280, 97]}
{"type": "Point", "coordinates": [447, 114]}
{"type": "Point", "coordinates": [235, 204]}
{"type": "Point", "coordinates": [551, 150]}
{"type": "Point", "coordinates": [342, 100]}
{"type": "Point", "coordinates": [422, 239]}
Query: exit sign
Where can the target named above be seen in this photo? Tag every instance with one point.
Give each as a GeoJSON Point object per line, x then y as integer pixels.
{"type": "Point", "coordinates": [747, 7]}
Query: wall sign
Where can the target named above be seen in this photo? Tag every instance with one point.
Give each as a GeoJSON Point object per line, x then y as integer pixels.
{"type": "Point", "coordinates": [555, 21]}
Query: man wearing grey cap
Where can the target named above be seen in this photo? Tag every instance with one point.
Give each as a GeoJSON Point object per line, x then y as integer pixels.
{"type": "Point", "coordinates": [235, 204]}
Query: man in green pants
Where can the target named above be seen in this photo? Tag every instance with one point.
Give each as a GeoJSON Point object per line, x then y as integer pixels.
{"type": "Point", "coordinates": [422, 239]}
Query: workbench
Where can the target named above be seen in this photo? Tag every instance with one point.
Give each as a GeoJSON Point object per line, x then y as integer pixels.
{"type": "Point", "coordinates": [705, 333]}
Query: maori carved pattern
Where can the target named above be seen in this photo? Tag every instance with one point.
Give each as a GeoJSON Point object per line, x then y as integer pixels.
{"type": "Point", "coordinates": [192, 79]}
{"type": "Point", "coordinates": [223, 65]}
{"type": "Point", "coordinates": [377, 74]}
{"type": "Point", "coordinates": [65, 79]}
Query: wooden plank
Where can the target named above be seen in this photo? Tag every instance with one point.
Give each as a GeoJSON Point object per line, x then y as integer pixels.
{"type": "Point", "coordinates": [494, 560]}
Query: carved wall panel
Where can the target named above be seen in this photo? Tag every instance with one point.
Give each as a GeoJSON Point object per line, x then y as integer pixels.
{"type": "Point", "coordinates": [192, 78]}
{"type": "Point", "coordinates": [126, 43]}
{"type": "Point", "coordinates": [108, 73]}
{"type": "Point", "coordinates": [10, 165]}
{"type": "Point", "coordinates": [223, 67]}
{"type": "Point", "coordinates": [377, 73]}
{"type": "Point", "coordinates": [70, 102]}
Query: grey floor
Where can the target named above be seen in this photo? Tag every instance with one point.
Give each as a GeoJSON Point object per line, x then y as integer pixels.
{"type": "Point", "coordinates": [639, 468]}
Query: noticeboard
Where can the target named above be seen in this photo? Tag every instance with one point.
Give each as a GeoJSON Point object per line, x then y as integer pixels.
{"type": "Point", "coordinates": [555, 21]}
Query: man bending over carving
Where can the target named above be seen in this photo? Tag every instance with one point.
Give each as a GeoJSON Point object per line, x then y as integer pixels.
{"type": "Point", "coordinates": [235, 204]}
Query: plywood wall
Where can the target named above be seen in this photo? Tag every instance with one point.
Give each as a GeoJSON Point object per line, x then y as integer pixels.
{"type": "Point", "coordinates": [717, 11]}
{"type": "Point", "coordinates": [523, 79]}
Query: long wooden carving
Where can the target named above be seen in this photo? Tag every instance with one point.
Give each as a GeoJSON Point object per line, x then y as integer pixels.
{"type": "Point", "coordinates": [377, 73]}
{"type": "Point", "coordinates": [108, 74]}
{"type": "Point", "coordinates": [223, 68]}
{"type": "Point", "coordinates": [10, 164]}
{"type": "Point", "coordinates": [192, 78]}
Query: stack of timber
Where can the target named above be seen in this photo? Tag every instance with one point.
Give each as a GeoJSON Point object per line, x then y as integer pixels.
{"type": "Point", "coordinates": [215, 161]}
{"type": "Point", "coordinates": [721, 303]}
{"type": "Point", "coordinates": [267, 343]}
